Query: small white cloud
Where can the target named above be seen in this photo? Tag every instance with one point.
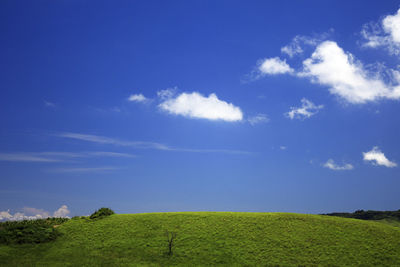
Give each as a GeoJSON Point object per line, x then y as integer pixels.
{"type": "Point", "coordinates": [330, 164]}
{"type": "Point", "coordinates": [329, 65]}
{"type": "Point", "coordinates": [386, 33]}
{"type": "Point", "coordinates": [283, 147]}
{"type": "Point", "coordinates": [61, 212]}
{"type": "Point", "coordinates": [33, 214]}
{"type": "Point", "coordinates": [195, 105]}
{"type": "Point", "coordinates": [137, 98]}
{"type": "Point", "coordinates": [377, 156]}
{"type": "Point", "coordinates": [306, 110]}
{"type": "Point", "coordinates": [259, 118]}
{"type": "Point", "coordinates": [274, 66]}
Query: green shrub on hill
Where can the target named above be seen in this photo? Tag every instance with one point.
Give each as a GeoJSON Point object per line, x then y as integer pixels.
{"type": "Point", "coordinates": [29, 231]}
{"type": "Point", "coordinates": [101, 213]}
{"type": "Point", "coordinates": [368, 215]}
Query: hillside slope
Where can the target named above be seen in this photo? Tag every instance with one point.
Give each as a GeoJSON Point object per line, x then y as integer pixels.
{"type": "Point", "coordinates": [214, 238]}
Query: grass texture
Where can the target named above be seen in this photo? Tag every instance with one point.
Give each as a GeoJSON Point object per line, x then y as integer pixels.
{"type": "Point", "coordinates": [213, 238]}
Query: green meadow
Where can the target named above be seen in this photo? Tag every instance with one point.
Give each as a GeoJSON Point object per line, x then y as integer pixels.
{"type": "Point", "coordinates": [213, 238]}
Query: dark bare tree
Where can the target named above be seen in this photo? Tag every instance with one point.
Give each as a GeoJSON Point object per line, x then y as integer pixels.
{"type": "Point", "coordinates": [170, 238]}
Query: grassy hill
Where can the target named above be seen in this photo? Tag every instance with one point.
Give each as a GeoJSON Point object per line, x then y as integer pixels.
{"type": "Point", "coordinates": [213, 238]}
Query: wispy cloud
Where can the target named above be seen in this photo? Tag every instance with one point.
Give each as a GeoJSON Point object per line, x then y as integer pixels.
{"type": "Point", "coordinates": [306, 110]}
{"type": "Point", "coordinates": [49, 104]}
{"type": "Point", "coordinates": [113, 141]}
{"type": "Point", "coordinates": [257, 119]}
{"type": "Point", "coordinates": [330, 164]}
{"type": "Point", "coordinates": [167, 93]}
{"type": "Point", "coordinates": [57, 156]}
{"type": "Point", "coordinates": [299, 42]}
{"type": "Point", "coordinates": [142, 145]}
{"type": "Point", "coordinates": [84, 169]}
{"type": "Point", "coordinates": [378, 157]}
{"type": "Point", "coordinates": [25, 157]}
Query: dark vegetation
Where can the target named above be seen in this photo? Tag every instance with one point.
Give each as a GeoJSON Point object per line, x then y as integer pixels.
{"type": "Point", "coordinates": [40, 230]}
{"type": "Point", "coordinates": [101, 213]}
{"type": "Point", "coordinates": [170, 238]}
{"type": "Point", "coordinates": [30, 231]}
{"type": "Point", "coordinates": [368, 215]}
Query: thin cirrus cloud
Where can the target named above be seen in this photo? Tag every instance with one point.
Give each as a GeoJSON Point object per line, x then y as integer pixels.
{"type": "Point", "coordinates": [257, 119]}
{"type": "Point", "coordinates": [306, 110]}
{"type": "Point", "coordinates": [195, 105]}
{"type": "Point", "coordinates": [377, 157]}
{"type": "Point", "coordinates": [330, 164]}
{"type": "Point", "coordinates": [57, 156]}
{"type": "Point", "coordinates": [49, 104]}
{"type": "Point", "coordinates": [143, 145]}
{"type": "Point", "coordinates": [113, 141]}
{"type": "Point", "coordinates": [34, 213]}
{"type": "Point", "coordinates": [84, 169]}
{"type": "Point", "coordinates": [385, 33]}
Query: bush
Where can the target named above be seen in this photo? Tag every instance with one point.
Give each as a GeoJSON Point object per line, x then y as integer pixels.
{"type": "Point", "coordinates": [101, 213]}
{"type": "Point", "coordinates": [29, 231]}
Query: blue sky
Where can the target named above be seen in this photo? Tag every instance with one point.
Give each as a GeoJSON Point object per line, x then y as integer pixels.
{"type": "Point", "coordinates": [147, 106]}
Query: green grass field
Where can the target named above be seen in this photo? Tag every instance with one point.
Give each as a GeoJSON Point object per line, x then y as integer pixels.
{"type": "Point", "coordinates": [214, 238]}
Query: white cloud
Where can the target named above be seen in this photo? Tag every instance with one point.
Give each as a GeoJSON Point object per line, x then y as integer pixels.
{"type": "Point", "coordinates": [306, 110]}
{"type": "Point", "coordinates": [259, 118]}
{"type": "Point", "coordinates": [137, 98]}
{"type": "Point", "coordinates": [33, 214]}
{"type": "Point", "coordinates": [195, 105]}
{"type": "Point", "coordinates": [283, 147]}
{"type": "Point", "coordinates": [377, 156]}
{"type": "Point", "coordinates": [386, 33]}
{"type": "Point", "coordinates": [329, 65]}
{"type": "Point", "coordinates": [330, 164]}
{"type": "Point", "coordinates": [62, 212]}
{"type": "Point", "coordinates": [274, 66]}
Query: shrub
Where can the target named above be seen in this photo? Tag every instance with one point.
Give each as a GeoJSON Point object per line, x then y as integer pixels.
{"type": "Point", "coordinates": [29, 231]}
{"type": "Point", "coordinates": [101, 213]}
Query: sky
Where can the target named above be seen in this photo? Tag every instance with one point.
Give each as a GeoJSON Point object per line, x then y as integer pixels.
{"type": "Point", "coordinates": [159, 106]}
